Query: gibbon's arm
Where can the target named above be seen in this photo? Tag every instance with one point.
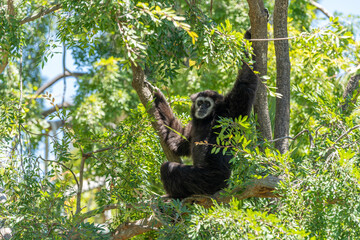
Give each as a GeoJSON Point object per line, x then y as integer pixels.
{"type": "Point", "coordinates": [240, 99]}
{"type": "Point", "coordinates": [175, 135]}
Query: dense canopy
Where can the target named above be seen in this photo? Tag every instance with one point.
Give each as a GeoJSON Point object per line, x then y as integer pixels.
{"type": "Point", "coordinates": [80, 155]}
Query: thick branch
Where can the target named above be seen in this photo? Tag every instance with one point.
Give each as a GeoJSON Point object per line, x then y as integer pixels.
{"type": "Point", "coordinates": [4, 61]}
{"type": "Point", "coordinates": [262, 188]}
{"type": "Point", "coordinates": [57, 78]}
{"type": "Point", "coordinates": [352, 85]}
{"type": "Point", "coordinates": [129, 230]}
{"type": "Point", "coordinates": [282, 115]}
{"type": "Point", "coordinates": [145, 92]}
{"type": "Point", "coordinates": [258, 19]}
{"type": "Point", "coordinates": [255, 188]}
{"type": "Point", "coordinates": [41, 14]}
{"type": "Point", "coordinates": [321, 8]}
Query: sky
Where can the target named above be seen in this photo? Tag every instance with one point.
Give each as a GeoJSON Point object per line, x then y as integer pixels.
{"type": "Point", "coordinates": [54, 65]}
{"type": "Point", "coordinates": [343, 6]}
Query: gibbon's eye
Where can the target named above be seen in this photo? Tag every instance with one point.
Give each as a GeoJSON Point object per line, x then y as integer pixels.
{"type": "Point", "coordinates": [207, 104]}
{"type": "Point", "coordinates": [200, 102]}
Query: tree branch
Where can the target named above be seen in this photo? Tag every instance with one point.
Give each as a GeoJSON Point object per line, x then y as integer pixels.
{"type": "Point", "coordinates": [321, 8]}
{"type": "Point", "coordinates": [262, 188]}
{"type": "Point", "coordinates": [129, 230]}
{"type": "Point", "coordinates": [57, 78]}
{"type": "Point", "coordinates": [89, 154]}
{"type": "Point", "coordinates": [345, 134]}
{"type": "Point", "coordinates": [41, 14]}
{"type": "Point", "coordinates": [97, 211]}
{"type": "Point", "coordinates": [46, 113]}
{"type": "Point", "coordinates": [64, 166]}
{"type": "Point", "coordinates": [11, 12]}
{"type": "Point", "coordinates": [352, 85]}
{"type": "Point", "coordinates": [311, 139]}
{"type": "Point", "coordinates": [81, 181]}
{"type": "Point", "coordinates": [254, 188]}
{"type": "Point", "coordinates": [145, 92]}
{"type": "Point", "coordinates": [332, 148]}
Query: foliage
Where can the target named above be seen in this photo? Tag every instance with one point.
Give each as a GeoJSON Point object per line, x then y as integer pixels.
{"type": "Point", "coordinates": [106, 152]}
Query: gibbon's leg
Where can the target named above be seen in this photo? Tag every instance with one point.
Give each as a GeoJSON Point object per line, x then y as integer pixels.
{"type": "Point", "coordinates": [181, 181]}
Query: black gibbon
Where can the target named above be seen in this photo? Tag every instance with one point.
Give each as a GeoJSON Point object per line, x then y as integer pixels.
{"type": "Point", "coordinates": [209, 171]}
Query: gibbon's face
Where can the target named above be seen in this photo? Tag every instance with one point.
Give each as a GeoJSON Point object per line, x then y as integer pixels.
{"type": "Point", "coordinates": [203, 107]}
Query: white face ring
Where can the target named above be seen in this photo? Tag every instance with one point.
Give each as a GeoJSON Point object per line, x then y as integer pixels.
{"type": "Point", "coordinates": [209, 109]}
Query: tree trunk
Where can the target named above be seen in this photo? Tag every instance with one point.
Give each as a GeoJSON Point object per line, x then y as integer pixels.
{"type": "Point", "coordinates": [258, 19]}
{"type": "Point", "coordinates": [282, 115]}
{"type": "Point", "coordinates": [352, 85]}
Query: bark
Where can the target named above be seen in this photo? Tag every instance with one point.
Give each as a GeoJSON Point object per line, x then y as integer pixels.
{"type": "Point", "coordinates": [129, 230]}
{"type": "Point", "coordinates": [145, 92]}
{"type": "Point", "coordinates": [321, 8]}
{"type": "Point", "coordinates": [258, 19]}
{"type": "Point", "coordinates": [3, 61]}
{"type": "Point", "coordinates": [255, 188]}
{"type": "Point", "coordinates": [282, 115]}
{"type": "Point", "coordinates": [352, 85]}
{"type": "Point", "coordinates": [262, 188]}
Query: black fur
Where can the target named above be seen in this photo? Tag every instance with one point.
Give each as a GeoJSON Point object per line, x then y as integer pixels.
{"type": "Point", "coordinates": [209, 171]}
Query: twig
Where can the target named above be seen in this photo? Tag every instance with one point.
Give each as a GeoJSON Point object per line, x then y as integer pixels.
{"type": "Point", "coordinates": [81, 180]}
{"type": "Point", "coordinates": [296, 136]}
{"type": "Point", "coordinates": [20, 107]}
{"type": "Point", "coordinates": [64, 71]}
{"type": "Point", "coordinates": [63, 165]}
{"type": "Point", "coordinates": [89, 154]}
{"type": "Point", "coordinates": [331, 149]}
{"type": "Point", "coordinates": [46, 113]}
{"type": "Point", "coordinates": [41, 14]}
{"type": "Point", "coordinates": [345, 134]}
